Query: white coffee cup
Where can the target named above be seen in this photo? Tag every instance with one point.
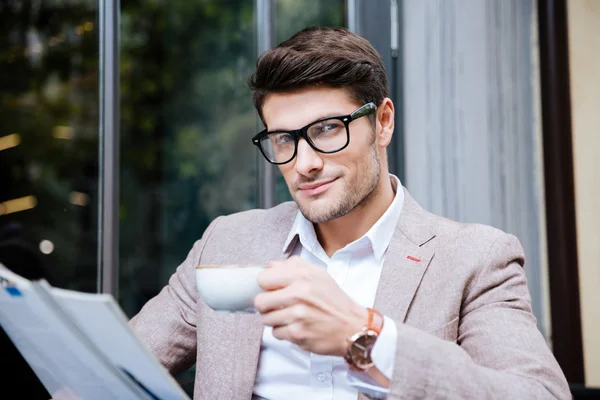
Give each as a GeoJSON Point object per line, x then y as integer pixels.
{"type": "Point", "coordinates": [228, 288]}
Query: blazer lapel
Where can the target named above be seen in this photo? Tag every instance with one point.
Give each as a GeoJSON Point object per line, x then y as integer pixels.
{"type": "Point", "coordinates": [248, 339]}
{"type": "Point", "coordinates": [406, 261]}
{"type": "Point", "coordinates": [404, 266]}
{"type": "Point", "coordinates": [229, 344]}
{"type": "Point", "coordinates": [249, 327]}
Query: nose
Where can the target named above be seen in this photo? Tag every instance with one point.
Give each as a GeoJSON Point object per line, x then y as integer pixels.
{"type": "Point", "coordinates": [308, 161]}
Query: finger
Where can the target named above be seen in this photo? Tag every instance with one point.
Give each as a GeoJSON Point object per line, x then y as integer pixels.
{"type": "Point", "coordinates": [277, 276]}
{"type": "Point", "coordinates": [280, 332]}
{"type": "Point", "coordinates": [64, 393]}
{"type": "Point", "coordinates": [274, 300]}
{"type": "Point", "coordinates": [286, 316]}
{"type": "Point", "coordinates": [294, 333]}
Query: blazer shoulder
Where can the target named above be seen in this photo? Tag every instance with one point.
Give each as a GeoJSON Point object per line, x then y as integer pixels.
{"type": "Point", "coordinates": [257, 222]}
{"type": "Point", "coordinates": [468, 235]}
{"type": "Point", "coordinates": [482, 242]}
{"type": "Point", "coordinates": [253, 236]}
{"type": "Point", "coordinates": [422, 226]}
{"type": "Point", "coordinates": [478, 233]}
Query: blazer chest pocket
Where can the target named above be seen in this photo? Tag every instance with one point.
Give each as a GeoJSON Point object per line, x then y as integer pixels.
{"type": "Point", "coordinates": [448, 331]}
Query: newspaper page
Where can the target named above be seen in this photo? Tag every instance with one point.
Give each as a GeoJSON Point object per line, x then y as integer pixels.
{"type": "Point", "coordinates": [103, 321]}
{"type": "Point", "coordinates": [63, 360]}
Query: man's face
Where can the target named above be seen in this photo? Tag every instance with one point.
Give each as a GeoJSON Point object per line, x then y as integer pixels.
{"type": "Point", "coordinates": [326, 186]}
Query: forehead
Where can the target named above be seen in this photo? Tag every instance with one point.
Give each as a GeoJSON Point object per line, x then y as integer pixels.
{"type": "Point", "coordinates": [292, 110]}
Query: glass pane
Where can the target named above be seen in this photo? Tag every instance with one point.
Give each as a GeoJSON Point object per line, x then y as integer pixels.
{"type": "Point", "coordinates": [49, 140]}
{"type": "Point", "coordinates": [292, 16]}
{"type": "Point", "coordinates": [186, 123]}
{"type": "Point", "coordinates": [48, 153]}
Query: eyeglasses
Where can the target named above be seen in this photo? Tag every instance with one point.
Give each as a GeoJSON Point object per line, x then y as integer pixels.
{"type": "Point", "coordinates": [327, 135]}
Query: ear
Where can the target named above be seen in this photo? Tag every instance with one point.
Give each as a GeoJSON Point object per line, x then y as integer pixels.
{"type": "Point", "coordinates": [385, 122]}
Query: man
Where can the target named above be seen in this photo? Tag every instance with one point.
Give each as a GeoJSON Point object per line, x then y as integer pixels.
{"type": "Point", "coordinates": [367, 293]}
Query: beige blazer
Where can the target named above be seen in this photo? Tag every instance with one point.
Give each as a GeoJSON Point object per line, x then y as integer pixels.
{"type": "Point", "coordinates": [463, 312]}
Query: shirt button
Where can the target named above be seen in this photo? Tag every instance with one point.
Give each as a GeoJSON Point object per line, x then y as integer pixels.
{"type": "Point", "coordinates": [321, 377]}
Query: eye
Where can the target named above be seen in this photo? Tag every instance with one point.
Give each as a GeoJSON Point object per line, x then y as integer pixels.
{"type": "Point", "coordinates": [331, 126]}
{"type": "Point", "coordinates": [281, 138]}
{"type": "Point", "coordinates": [326, 128]}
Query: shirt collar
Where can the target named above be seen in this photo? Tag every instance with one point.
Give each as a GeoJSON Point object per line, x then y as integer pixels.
{"type": "Point", "coordinates": [379, 235]}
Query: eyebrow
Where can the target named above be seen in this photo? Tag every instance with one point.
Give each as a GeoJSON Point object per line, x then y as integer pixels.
{"type": "Point", "coordinates": [324, 116]}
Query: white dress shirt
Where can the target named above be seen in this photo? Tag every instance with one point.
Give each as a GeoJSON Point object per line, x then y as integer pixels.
{"type": "Point", "coordinates": [285, 371]}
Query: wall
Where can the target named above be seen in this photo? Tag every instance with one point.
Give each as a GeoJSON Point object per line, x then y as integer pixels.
{"type": "Point", "coordinates": [471, 130]}
{"type": "Point", "coordinates": [584, 56]}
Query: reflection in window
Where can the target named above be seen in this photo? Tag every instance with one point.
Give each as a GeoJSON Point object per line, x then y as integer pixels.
{"type": "Point", "coordinates": [49, 141]}
{"type": "Point", "coordinates": [292, 16]}
{"type": "Point", "coordinates": [48, 154]}
{"type": "Point", "coordinates": [186, 123]}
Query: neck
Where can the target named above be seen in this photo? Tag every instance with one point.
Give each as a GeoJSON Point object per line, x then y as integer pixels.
{"type": "Point", "coordinates": [334, 235]}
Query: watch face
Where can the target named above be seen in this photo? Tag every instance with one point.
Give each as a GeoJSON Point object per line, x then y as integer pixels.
{"type": "Point", "coordinates": [360, 351]}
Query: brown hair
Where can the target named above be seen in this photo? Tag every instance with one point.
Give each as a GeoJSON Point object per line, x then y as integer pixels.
{"type": "Point", "coordinates": [321, 56]}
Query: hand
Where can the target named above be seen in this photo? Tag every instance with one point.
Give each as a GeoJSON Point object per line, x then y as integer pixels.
{"type": "Point", "coordinates": [305, 306]}
{"type": "Point", "coordinates": [64, 393]}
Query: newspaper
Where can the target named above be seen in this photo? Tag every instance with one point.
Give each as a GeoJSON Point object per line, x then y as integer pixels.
{"type": "Point", "coordinates": [79, 344]}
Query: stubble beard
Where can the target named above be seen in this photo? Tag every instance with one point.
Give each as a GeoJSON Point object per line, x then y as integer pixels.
{"type": "Point", "coordinates": [352, 198]}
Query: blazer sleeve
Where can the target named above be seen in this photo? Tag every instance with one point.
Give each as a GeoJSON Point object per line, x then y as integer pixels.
{"type": "Point", "coordinates": [167, 322]}
{"type": "Point", "coordinates": [499, 354]}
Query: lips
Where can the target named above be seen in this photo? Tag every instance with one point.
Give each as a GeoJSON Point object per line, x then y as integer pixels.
{"type": "Point", "coordinates": [315, 188]}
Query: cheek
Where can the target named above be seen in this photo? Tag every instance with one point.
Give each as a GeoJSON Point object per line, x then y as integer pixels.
{"type": "Point", "coordinates": [287, 171]}
{"type": "Point", "coordinates": [350, 161]}
{"type": "Point", "coordinates": [359, 147]}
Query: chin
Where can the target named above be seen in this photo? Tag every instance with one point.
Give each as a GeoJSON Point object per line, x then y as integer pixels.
{"type": "Point", "coordinates": [311, 202]}
{"type": "Point", "coordinates": [318, 213]}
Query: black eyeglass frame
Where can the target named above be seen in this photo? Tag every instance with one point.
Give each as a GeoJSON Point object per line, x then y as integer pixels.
{"type": "Point", "coordinates": [302, 132]}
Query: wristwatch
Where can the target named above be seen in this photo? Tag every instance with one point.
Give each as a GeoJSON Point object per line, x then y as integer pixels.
{"type": "Point", "coordinates": [358, 354]}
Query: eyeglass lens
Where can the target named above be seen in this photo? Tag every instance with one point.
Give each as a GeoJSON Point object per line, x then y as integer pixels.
{"type": "Point", "coordinates": [327, 136]}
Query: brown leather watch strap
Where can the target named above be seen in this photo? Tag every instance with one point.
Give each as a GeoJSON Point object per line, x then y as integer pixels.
{"type": "Point", "coordinates": [375, 323]}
